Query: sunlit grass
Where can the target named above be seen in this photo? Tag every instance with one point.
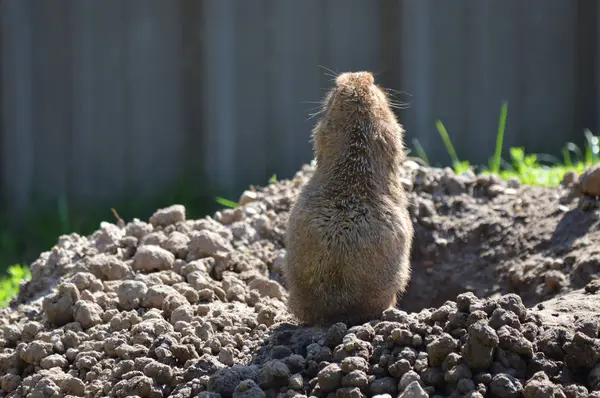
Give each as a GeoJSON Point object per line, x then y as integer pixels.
{"type": "Point", "coordinates": [10, 282]}
{"type": "Point", "coordinates": [528, 168]}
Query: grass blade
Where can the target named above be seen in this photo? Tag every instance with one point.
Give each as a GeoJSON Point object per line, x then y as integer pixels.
{"type": "Point", "coordinates": [420, 151]}
{"type": "Point", "coordinates": [572, 147]}
{"type": "Point", "coordinates": [446, 138]}
{"type": "Point", "coordinates": [567, 157]}
{"type": "Point", "coordinates": [226, 202]}
{"type": "Point", "coordinates": [500, 137]}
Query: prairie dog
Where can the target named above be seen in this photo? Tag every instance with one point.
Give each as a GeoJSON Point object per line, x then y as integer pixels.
{"type": "Point", "coordinates": [349, 234]}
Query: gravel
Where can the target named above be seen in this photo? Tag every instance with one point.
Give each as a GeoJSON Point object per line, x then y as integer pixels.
{"type": "Point", "coordinates": [184, 308]}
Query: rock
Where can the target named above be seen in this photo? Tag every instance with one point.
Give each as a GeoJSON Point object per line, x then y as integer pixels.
{"type": "Point", "coordinates": [274, 374]}
{"type": "Point", "coordinates": [88, 314]}
{"type": "Point", "coordinates": [330, 377]}
{"type": "Point", "coordinates": [247, 197]}
{"type": "Point", "coordinates": [131, 294]}
{"type": "Point", "coordinates": [224, 382]}
{"type": "Point", "coordinates": [505, 386]}
{"type": "Point", "coordinates": [479, 347]}
{"type": "Point", "coordinates": [207, 243]}
{"type": "Point", "coordinates": [582, 353]}
{"type": "Point", "coordinates": [440, 348]}
{"type": "Point", "coordinates": [335, 335]}
{"type": "Point", "coordinates": [248, 389]}
{"type": "Point", "coordinates": [512, 340]}
{"type": "Point", "coordinates": [540, 386]}
{"type": "Point", "coordinates": [58, 307]}
{"type": "Point", "coordinates": [153, 258]}
{"type": "Point", "coordinates": [413, 390]}
{"type": "Point", "coordinates": [349, 392]}
{"type": "Point", "coordinates": [569, 179]}
{"type": "Point", "coordinates": [495, 190]}
{"type": "Point", "coordinates": [589, 182]}
{"type": "Point", "coordinates": [267, 288]}
{"type": "Point", "coordinates": [408, 378]}
{"type": "Point", "coordinates": [357, 378]}
{"type": "Point", "coordinates": [168, 216]}
{"type": "Point", "coordinates": [385, 385]}
{"type": "Point", "coordinates": [34, 352]}
{"type": "Point", "coordinates": [350, 364]}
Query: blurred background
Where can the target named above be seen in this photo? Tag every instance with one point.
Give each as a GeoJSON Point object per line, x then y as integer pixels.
{"type": "Point", "coordinates": [136, 104]}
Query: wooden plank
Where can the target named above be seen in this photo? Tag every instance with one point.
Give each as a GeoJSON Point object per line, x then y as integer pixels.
{"type": "Point", "coordinates": [415, 74]}
{"type": "Point", "coordinates": [390, 17]}
{"type": "Point", "coordinates": [17, 166]}
{"type": "Point", "coordinates": [219, 82]}
{"type": "Point", "coordinates": [51, 100]}
{"type": "Point", "coordinates": [490, 78]}
{"type": "Point", "coordinates": [153, 84]}
{"type": "Point", "coordinates": [190, 14]}
{"type": "Point", "coordinates": [351, 41]}
{"type": "Point", "coordinates": [99, 140]}
{"type": "Point", "coordinates": [251, 111]}
{"type": "Point", "coordinates": [294, 78]}
{"type": "Point", "coordinates": [448, 77]}
{"type": "Point", "coordinates": [547, 64]}
{"type": "Point", "coordinates": [587, 83]}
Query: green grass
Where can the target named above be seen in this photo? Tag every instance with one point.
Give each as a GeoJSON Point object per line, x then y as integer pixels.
{"type": "Point", "coordinates": [226, 202]}
{"type": "Point", "coordinates": [529, 169]}
{"type": "Point", "coordinates": [9, 283]}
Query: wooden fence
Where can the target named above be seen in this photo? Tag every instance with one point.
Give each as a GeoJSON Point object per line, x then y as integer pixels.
{"type": "Point", "coordinates": [103, 99]}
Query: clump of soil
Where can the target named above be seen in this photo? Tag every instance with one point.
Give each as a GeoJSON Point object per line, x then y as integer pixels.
{"type": "Point", "coordinates": [504, 302]}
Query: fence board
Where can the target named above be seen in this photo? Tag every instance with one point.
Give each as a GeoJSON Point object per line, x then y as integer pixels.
{"type": "Point", "coordinates": [99, 147]}
{"type": "Point", "coordinates": [416, 64]}
{"type": "Point", "coordinates": [190, 14]}
{"type": "Point", "coordinates": [153, 82]}
{"type": "Point", "coordinates": [586, 42]}
{"type": "Point", "coordinates": [17, 134]}
{"type": "Point", "coordinates": [219, 81]}
{"type": "Point", "coordinates": [352, 41]}
{"type": "Point", "coordinates": [251, 92]}
{"type": "Point", "coordinates": [294, 82]}
{"type": "Point", "coordinates": [51, 98]}
{"type": "Point", "coordinates": [547, 66]}
{"type": "Point", "coordinates": [490, 80]}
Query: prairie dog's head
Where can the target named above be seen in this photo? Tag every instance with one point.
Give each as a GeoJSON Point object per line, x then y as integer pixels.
{"type": "Point", "coordinates": [357, 112]}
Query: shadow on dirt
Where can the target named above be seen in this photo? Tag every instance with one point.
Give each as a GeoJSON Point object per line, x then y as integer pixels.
{"type": "Point", "coordinates": [573, 225]}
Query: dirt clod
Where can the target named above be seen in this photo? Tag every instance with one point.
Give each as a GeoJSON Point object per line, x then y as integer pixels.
{"type": "Point", "coordinates": [590, 181]}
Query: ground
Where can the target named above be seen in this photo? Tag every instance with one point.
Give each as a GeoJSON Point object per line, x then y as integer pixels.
{"type": "Point", "coordinates": [503, 302]}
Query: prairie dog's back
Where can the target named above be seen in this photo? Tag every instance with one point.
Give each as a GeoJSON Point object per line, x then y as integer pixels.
{"type": "Point", "coordinates": [349, 234]}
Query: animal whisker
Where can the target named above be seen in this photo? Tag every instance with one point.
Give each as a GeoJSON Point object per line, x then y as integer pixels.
{"type": "Point", "coordinates": [332, 74]}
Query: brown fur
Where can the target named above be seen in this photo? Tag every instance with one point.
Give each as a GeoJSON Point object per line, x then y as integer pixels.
{"type": "Point", "coordinates": [349, 233]}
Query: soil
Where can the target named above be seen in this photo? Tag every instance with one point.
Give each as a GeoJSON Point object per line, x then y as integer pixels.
{"type": "Point", "coordinates": [504, 302]}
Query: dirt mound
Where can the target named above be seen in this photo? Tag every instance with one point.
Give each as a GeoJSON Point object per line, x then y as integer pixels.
{"type": "Point", "coordinates": [503, 303]}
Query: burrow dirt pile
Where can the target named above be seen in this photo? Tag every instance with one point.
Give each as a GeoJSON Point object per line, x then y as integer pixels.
{"type": "Point", "coordinates": [503, 303]}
